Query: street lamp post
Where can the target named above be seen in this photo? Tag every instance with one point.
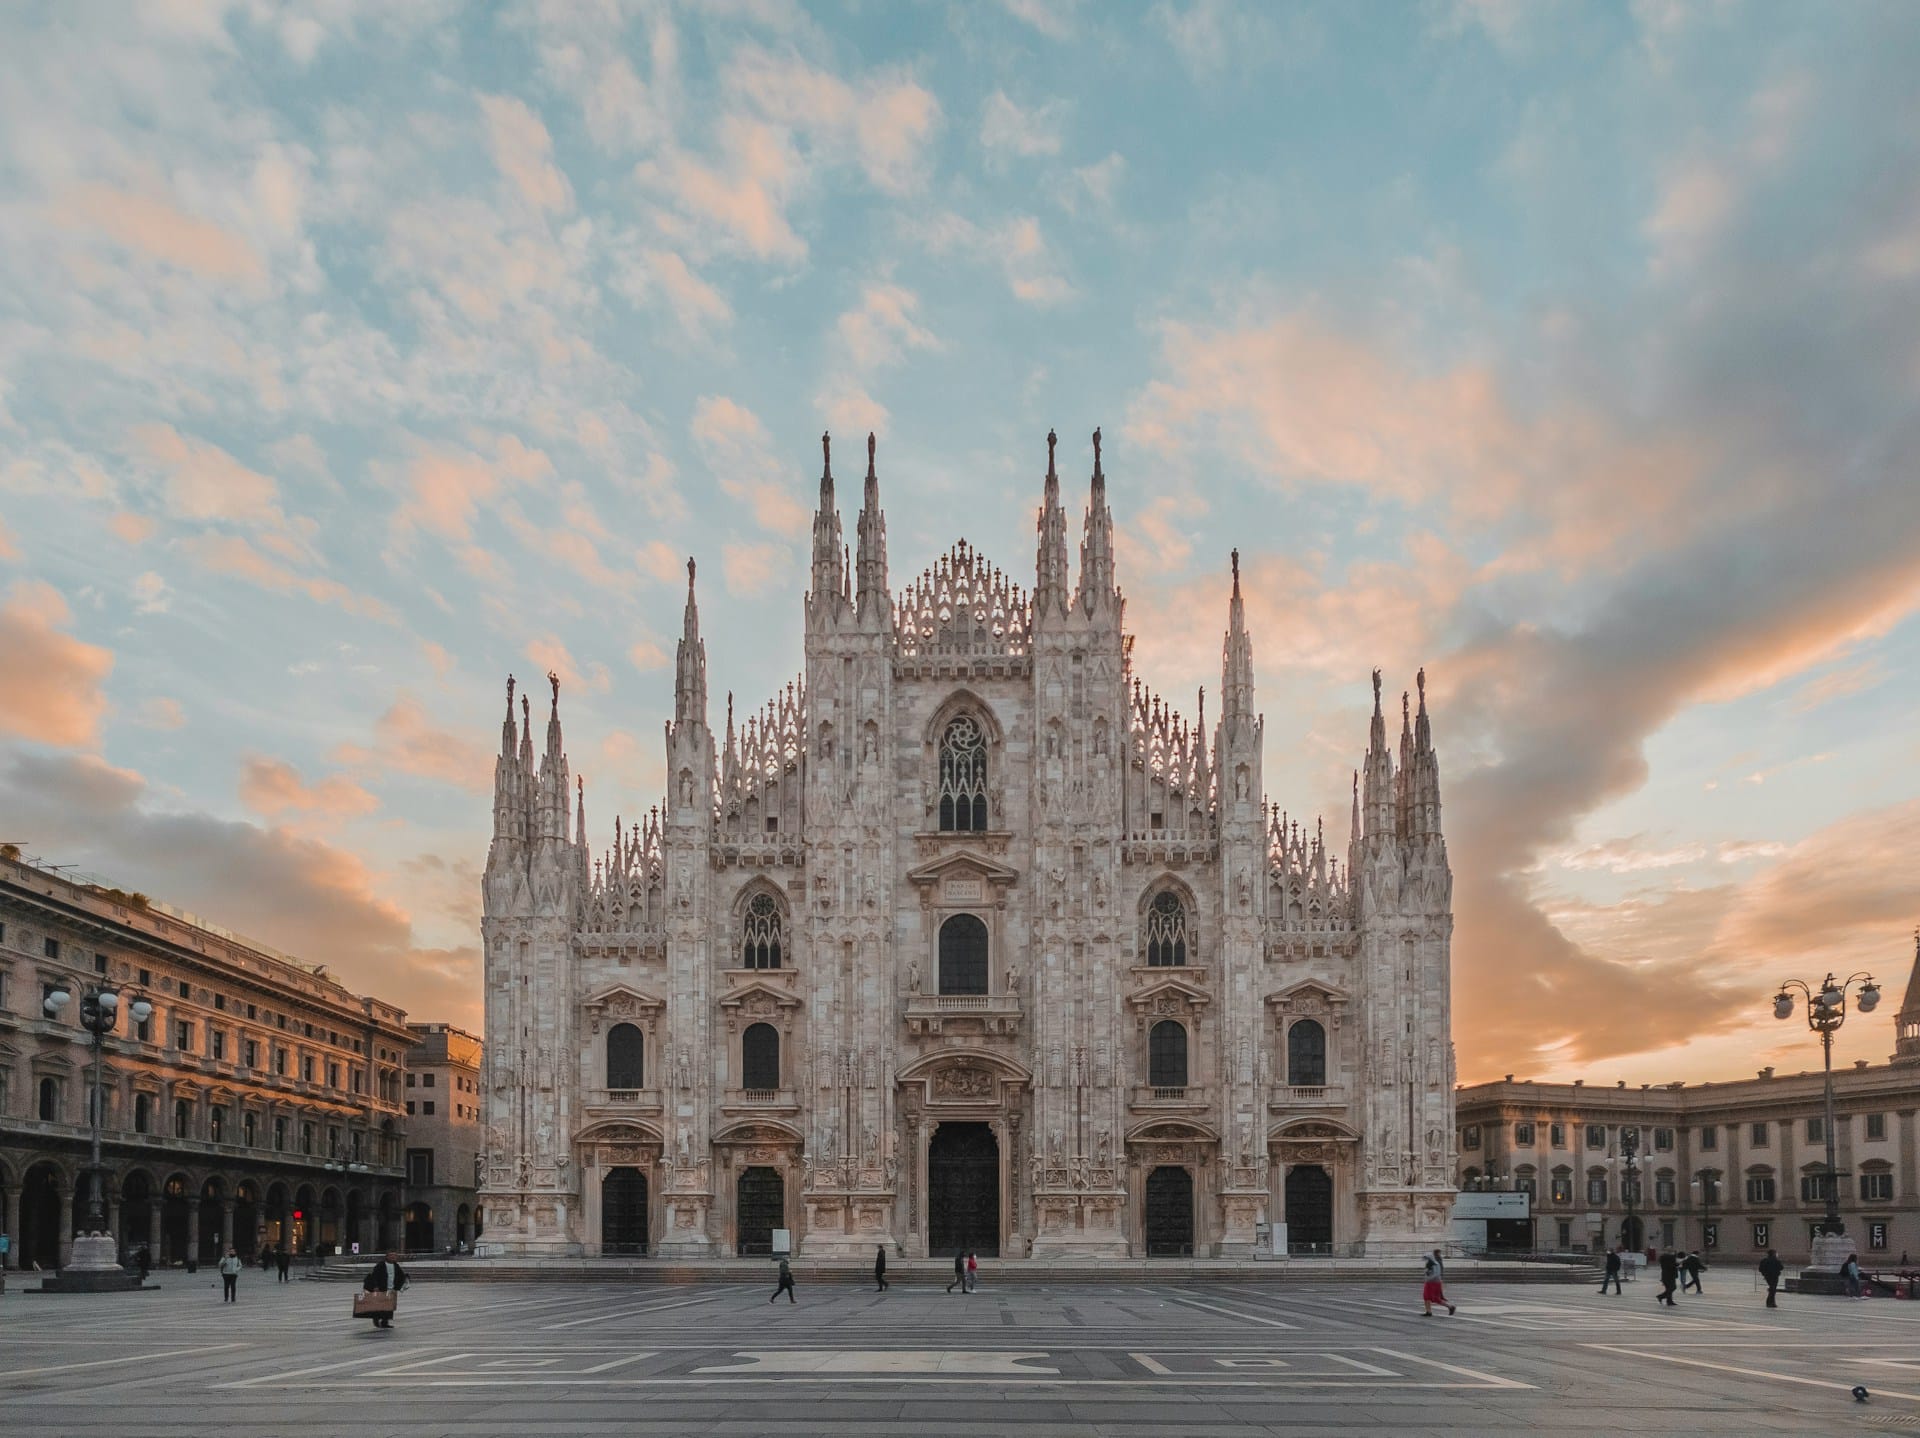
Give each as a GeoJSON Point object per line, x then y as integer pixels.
{"type": "Point", "coordinates": [1705, 1185]}
{"type": "Point", "coordinates": [94, 1263]}
{"type": "Point", "coordinates": [1629, 1148]}
{"type": "Point", "coordinates": [1826, 1012]}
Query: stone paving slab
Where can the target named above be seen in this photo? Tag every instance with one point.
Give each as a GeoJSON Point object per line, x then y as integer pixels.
{"type": "Point", "coordinates": [1056, 1361]}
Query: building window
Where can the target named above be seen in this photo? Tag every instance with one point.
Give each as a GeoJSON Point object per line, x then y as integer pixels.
{"type": "Point", "coordinates": [409, 1108]}
{"type": "Point", "coordinates": [1166, 931]}
{"type": "Point", "coordinates": [99, 963]}
{"type": "Point", "coordinates": [1876, 1127]}
{"type": "Point", "coordinates": [306, 1069]}
{"type": "Point", "coordinates": [426, 1109]}
{"type": "Point", "coordinates": [1876, 1187]}
{"type": "Point", "coordinates": [760, 1058]}
{"type": "Point", "coordinates": [144, 1030]}
{"type": "Point", "coordinates": [1663, 1192]}
{"type": "Point", "coordinates": [1523, 1135]}
{"type": "Point", "coordinates": [1758, 1135]}
{"type": "Point", "coordinates": [626, 1057]}
{"type": "Point", "coordinates": [1816, 1130]}
{"type": "Point", "coordinates": [306, 1138]}
{"type": "Point", "coordinates": [426, 1080]}
{"type": "Point", "coordinates": [252, 1052]}
{"type": "Point", "coordinates": [280, 1062]}
{"type": "Point", "coordinates": [1760, 1189]}
{"type": "Point", "coordinates": [1663, 1140]}
{"type": "Point", "coordinates": [1709, 1138]}
{"type": "Point", "coordinates": [217, 1124]}
{"type": "Point", "coordinates": [1557, 1135]}
{"type": "Point", "coordinates": [219, 1045]}
{"type": "Point", "coordinates": [963, 955]}
{"type": "Point", "coordinates": [183, 1037]}
{"type": "Point", "coordinates": [963, 777]}
{"type": "Point", "coordinates": [1307, 1054]}
{"type": "Point", "coordinates": [333, 1141]}
{"type": "Point", "coordinates": [1470, 1136]}
{"type": "Point", "coordinates": [1524, 1183]}
{"type": "Point", "coordinates": [220, 1001]}
{"type": "Point", "coordinates": [760, 933]}
{"type": "Point", "coordinates": [247, 1132]}
{"type": "Point", "coordinates": [412, 1079]}
{"type": "Point", "coordinates": [1596, 1136]}
{"type": "Point", "coordinates": [279, 1135]}
{"type": "Point", "coordinates": [182, 1118]}
{"type": "Point", "coordinates": [50, 947]}
{"type": "Point", "coordinates": [1167, 1055]}
{"type": "Point", "coordinates": [1561, 1190]}
{"type": "Point", "coordinates": [1597, 1192]}
{"type": "Point", "coordinates": [420, 1167]}
{"type": "Point", "coordinates": [143, 1113]}
{"type": "Point", "coordinates": [1565, 1235]}
{"type": "Point", "coordinates": [50, 1100]}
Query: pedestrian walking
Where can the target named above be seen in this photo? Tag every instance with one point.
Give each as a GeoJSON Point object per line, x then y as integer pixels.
{"type": "Point", "coordinates": [786, 1282]}
{"type": "Point", "coordinates": [1850, 1275]}
{"type": "Point", "coordinates": [143, 1261]}
{"type": "Point", "coordinates": [1691, 1266]}
{"type": "Point", "coordinates": [1669, 1277]}
{"type": "Point", "coordinates": [959, 1273]}
{"type": "Point", "coordinates": [973, 1273]}
{"type": "Point", "coordinates": [266, 1259]}
{"type": "Point", "coordinates": [880, 1268]}
{"type": "Point", "coordinates": [1612, 1274]}
{"type": "Point", "coordinates": [1770, 1269]}
{"type": "Point", "coordinates": [387, 1276]}
{"type": "Point", "coordinates": [230, 1276]}
{"type": "Point", "coordinates": [282, 1260]}
{"type": "Point", "coordinates": [1434, 1289]}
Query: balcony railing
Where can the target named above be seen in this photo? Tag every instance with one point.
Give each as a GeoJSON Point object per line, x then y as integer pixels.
{"type": "Point", "coordinates": [1290, 1096]}
{"type": "Point", "coordinates": [1191, 1095]}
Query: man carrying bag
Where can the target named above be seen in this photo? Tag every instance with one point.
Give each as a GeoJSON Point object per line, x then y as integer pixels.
{"type": "Point", "coordinates": [381, 1291]}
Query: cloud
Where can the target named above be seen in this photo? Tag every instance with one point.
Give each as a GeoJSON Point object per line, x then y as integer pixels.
{"type": "Point", "coordinates": [273, 788]}
{"type": "Point", "coordinates": [149, 225]}
{"type": "Point", "coordinates": [446, 487]}
{"type": "Point", "coordinates": [8, 548]}
{"type": "Point", "coordinates": [1838, 684]}
{"type": "Point", "coordinates": [150, 594]}
{"type": "Point", "coordinates": [407, 741]}
{"type": "Point", "coordinates": [883, 120]}
{"type": "Point", "coordinates": [1007, 129]}
{"type": "Point", "coordinates": [660, 562]}
{"type": "Point", "coordinates": [848, 408]}
{"type": "Point", "coordinates": [744, 196]}
{"type": "Point", "coordinates": [523, 151]}
{"type": "Point", "coordinates": [1098, 182]}
{"type": "Point", "coordinates": [53, 692]}
{"type": "Point", "coordinates": [752, 569]}
{"type": "Point", "coordinates": [882, 326]}
{"type": "Point", "coordinates": [1052, 18]}
{"type": "Point", "coordinates": [647, 655]}
{"type": "Point", "coordinates": [206, 483]}
{"type": "Point", "coordinates": [132, 530]}
{"type": "Point", "coordinates": [735, 446]}
{"type": "Point", "coordinates": [235, 557]}
{"type": "Point", "coordinates": [1016, 246]}
{"type": "Point", "coordinates": [1696, 200]}
{"type": "Point", "coordinates": [1630, 856]}
{"type": "Point", "coordinates": [160, 713]}
{"type": "Point", "coordinates": [660, 274]}
{"type": "Point", "coordinates": [550, 656]}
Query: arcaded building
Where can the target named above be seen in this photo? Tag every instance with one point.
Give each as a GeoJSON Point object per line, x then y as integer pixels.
{"type": "Point", "coordinates": [258, 1104]}
{"type": "Point", "coordinates": [967, 940]}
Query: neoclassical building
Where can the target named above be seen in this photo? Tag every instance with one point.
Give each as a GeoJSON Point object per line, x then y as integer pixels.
{"type": "Point", "coordinates": [967, 940]}
{"type": "Point", "coordinates": [258, 1104]}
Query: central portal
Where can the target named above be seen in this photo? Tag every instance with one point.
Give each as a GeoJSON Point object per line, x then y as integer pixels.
{"type": "Point", "coordinates": [963, 1191]}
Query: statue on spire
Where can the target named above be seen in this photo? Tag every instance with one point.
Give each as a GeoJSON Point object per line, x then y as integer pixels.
{"type": "Point", "coordinates": [1376, 691]}
{"type": "Point", "coordinates": [870, 474]}
{"type": "Point", "coordinates": [1052, 439]}
{"type": "Point", "coordinates": [553, 678]}
{"type": "Point", "coordinates": [826, 454]}
{"type": "Point", "coordinates": [1096, 452]}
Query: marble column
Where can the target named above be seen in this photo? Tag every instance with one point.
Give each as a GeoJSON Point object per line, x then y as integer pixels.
{"type": "Point", "coordinates": [153, 1229]}
{"type": "Point", "coordinates": [66, 1226]}
{"type": "Point", "coordinates": [192, 1255]}
{"type": "Point", "coordinates": [10, 1218]}
{"type": "Point", "coordinates": [226, 1225]}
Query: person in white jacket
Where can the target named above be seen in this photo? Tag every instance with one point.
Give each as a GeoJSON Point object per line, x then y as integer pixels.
{"type": "Point", "coordinates": [230, 1275]}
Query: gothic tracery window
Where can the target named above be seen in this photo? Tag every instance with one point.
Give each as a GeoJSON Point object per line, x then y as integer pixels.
{"type": "Point", "coordinates": [1166, 931]}
{"type": "Point", "coordinates": [761, 933]}
{"type": "Point", "coordinates": [963, 777]}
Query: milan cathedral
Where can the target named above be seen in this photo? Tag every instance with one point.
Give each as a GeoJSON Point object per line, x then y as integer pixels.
{"type": "Point", "coordinates": [966, 941]}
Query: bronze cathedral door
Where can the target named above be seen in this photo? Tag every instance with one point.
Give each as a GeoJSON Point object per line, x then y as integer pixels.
{"type": "Point", "coordinates": [963, 1191]}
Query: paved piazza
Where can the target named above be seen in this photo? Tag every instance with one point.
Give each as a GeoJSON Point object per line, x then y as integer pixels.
{"type": "Point", "coordinates": [1184, 1359]}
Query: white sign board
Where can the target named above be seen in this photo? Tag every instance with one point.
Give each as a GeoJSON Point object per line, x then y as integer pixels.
{"type": "Point", "coordinates": [782, 1241]}
{"type": "Point", "coordinates": [1493, 1205]}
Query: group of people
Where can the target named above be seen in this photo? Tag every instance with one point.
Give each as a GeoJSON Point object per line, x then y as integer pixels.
{"type": "Point", "coordinates": [1678, 1272]}
{"type": "Point", "coordinates": [966, 1274]}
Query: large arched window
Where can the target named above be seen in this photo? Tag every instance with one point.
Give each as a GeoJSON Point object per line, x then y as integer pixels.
{"type": "Point", "coordinates": [1167, 1055]}
{"type": "Point", "coordinates": [963, 955]}
{"type": "Point", "coordinates": [49, 1100]}
{"type": "Point", "coordinates": [760, 933]}
{"type": "Point", "coordinates": [1166, 931]}
{"type": "Point", "coordinates": [760, 1057]}
{"type": "Point", "coordinates": [1307, 1054]}
{"type": "Point", "coordinates": [963, 777]}
{"type": "Point", "coordinates": [626, 1057]}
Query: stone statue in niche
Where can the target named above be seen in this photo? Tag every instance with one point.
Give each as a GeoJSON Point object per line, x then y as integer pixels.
{"type": "Point", "coordinates": [913, 978]}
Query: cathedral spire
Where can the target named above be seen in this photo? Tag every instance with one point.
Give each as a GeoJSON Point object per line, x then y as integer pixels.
{"type": "Point", "coordinates": [1236, 667]}
{"type": "Point", "coordinates": [1378, 798]}
{"type": "Point", "coordinates": [1906, 1048]}
{"type": "Point", "coordinates": [506, 776]}
{"type": "Point", "coordinates": [1096, 549]}
{"type": "Point", "coordinates": [1050, 595]}
{"type": "Point", "coordinates": [829, 564]}
{"type": "Point", "coordinates": [872, 560]}
{"type": "Point", "coordinates": [690, 666]}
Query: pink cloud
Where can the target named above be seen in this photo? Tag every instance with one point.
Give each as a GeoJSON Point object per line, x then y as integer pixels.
{"type": "Point", "coordinates": [151, 226]}
{"type": "Point", "coordinates": [53, 692]}
{"type": "Point", "coordinates": [524, 152]}
{"type": "Point", "coordinates": [231, 555]}
{"type": "Point", "coordinates": [752, 569]}
{"type": "Point", "coordinates": [204, 482]}
{"type": "Point", "coordinates": [736, 447]}
{"type": "Point", "coordinates": [273, 787]}
{"type": "Point", "coordinates": [160, 713]}
{"type": "Point", "coordinates": [407, 741]}
{"type": "Point", "coordinates": [131, 529]}
{"type": "Point", "coordinates": [745, 197]}
{"type": "Point", "coordinates": [550, 656]}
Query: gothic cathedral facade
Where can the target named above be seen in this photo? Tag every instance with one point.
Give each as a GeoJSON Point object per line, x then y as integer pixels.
{"type": "Point", "coordinates": [967, 942]}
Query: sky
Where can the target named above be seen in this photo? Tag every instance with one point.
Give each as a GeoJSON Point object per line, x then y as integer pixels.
{"type": "Point", "coordinates": [354, 355]}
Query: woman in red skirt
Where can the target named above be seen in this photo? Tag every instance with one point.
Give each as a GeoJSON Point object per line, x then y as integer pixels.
{"type": "Point", "coordinates": [1434, 1290]}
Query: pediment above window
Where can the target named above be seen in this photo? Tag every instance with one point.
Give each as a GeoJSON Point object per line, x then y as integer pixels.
{"type": "Point", "coordinates": [1169, 995]}
{"type": "Point", "coordinates": [1310, 998]}
{"type": "Point", "coordinates": [963, 877]}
